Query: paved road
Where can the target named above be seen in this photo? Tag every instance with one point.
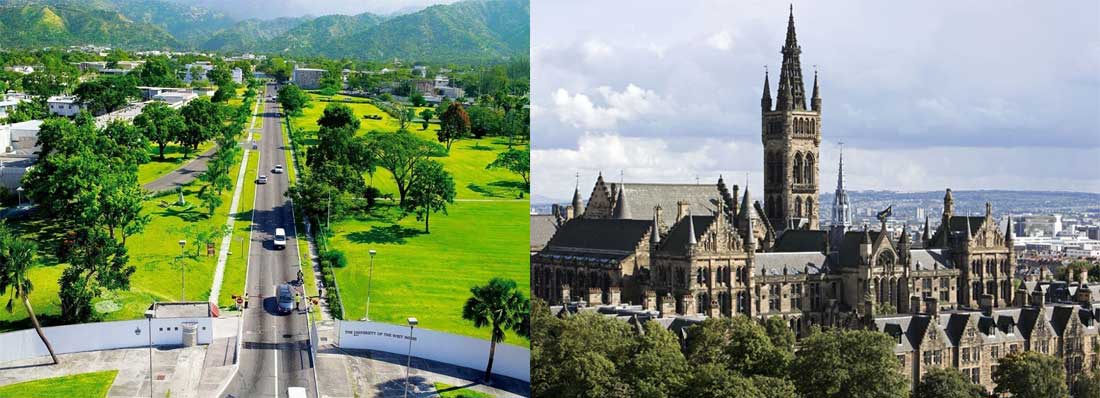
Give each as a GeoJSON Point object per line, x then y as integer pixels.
{"type": "Point", "coordinates": [182, 175]}
{"type": "Point", "coordinates": [275, 350]}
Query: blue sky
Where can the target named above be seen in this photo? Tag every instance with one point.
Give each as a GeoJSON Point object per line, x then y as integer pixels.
{"type": "Point", "coordinates": [924, 95]}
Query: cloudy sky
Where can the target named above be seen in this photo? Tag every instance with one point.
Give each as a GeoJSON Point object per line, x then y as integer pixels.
{"type": "Point", "coordinates": [924, 95]}
{"type": "Point", "coordinates": [268, 9]}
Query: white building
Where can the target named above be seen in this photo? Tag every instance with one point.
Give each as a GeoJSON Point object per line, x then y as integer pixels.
{"type": "Point", "coordinates": [202, 68]}
{"type": "Point", "coordinates": [307, 78]}
{"type": "Point", "coordinates": [175, 99]}
{"type": "Point", "coordinates": [442, 81]}
{"type": "Point", "coordinates": [64, 105]}
{"type": "Point", "coordinates": [420, 70]}
{"type": "Point", "coordinates": [238, 76]}
{"type": "Point", "coordinates": [10, 102]}
{"type": "Point", "coordinates": [22, 136]}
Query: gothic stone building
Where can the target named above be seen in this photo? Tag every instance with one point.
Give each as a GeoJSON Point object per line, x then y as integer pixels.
{"type": "Point", "coordinates": [702, 250]}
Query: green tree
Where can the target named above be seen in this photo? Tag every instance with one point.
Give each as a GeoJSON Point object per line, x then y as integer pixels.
{"type": "Point", "coordinates": [225, 92]}
{"type": "Point", "coordinates": [158, 72]}
{"type": "Point", "coordinates": [161, 124]}
{"type": "Point", "coordinates": [774, 387]}
{"type": "Point", "coordinates": [454, 124]}
{"type": "Point", "coordinates": [517, 162]}
{"type": "Point", "coordinates": [203, 120]}
{"type": "Point", "coordinates": [293, 99]}
{"type": "Point", "coordinates": [779, 333]}
{"type": "Point", "coordinates": [107, 94]}
{"type": "Point", "coordinates": [499, 305]}
{"type": "Point", "coordinates": [714, 380]}
{"type": "Point", "coordinates": [210, 200]}
{"type": "Point", "coordinates": [485, 121]}
{"type": "Point", "coordinates": [399, 153]}
{"type": "Point", "coordinates": [739, 344]}
{"type": "Point", "coordinates": [656, 368]}
{"type": "Point", "coordinates": [42, 84]}
{"type": "Point", "coordinates": [848, 363]}
{"type": "Point", "coordinates": [338, 115]}
{"type": "Point", "coordinates": [430, 192]}
{"type": "Point", "coordinates": [426, 117]}
{"type": "Point", "coordinates": [220, 75]}
{"type": "Point", "coordinates": [1029, 374]}
{"type": "Point", "coordinates": [130, 143]}
{"type": "Point", "coordinates": [1087, 385]}
{"type": "Point", "coordinates": [946, 383]}
{"type": "Point", "coordinates": [17, 258]}
{"type": "Point", "coordinates": [417, 99]}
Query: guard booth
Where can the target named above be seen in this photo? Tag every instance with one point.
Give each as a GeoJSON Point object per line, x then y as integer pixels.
{"type": "Point", "coordinates": [187, 324]}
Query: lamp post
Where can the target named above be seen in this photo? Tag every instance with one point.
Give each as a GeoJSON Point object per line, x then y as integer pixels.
{"type": "Point", "coordinates": [241, 239]}
{"type": "Point", "coordinates": [412, 325]}
{"type": "Point", "coordinates": [182, 244]}
{"type": "Point", "coordinates": [370, 277]}
{"type": "Point", "coordinates": [20, 192]}
{"type": "Point", "coordinates": [149, 320]}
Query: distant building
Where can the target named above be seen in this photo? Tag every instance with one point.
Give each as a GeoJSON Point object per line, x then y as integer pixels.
{"type": "Point", "coordinates": [22, 136]}
{"type": "Point", "coordinates": [1044, 225]}
{"type": "Point", "coordinates": [442, 81]}
{"type": "Point", "coordinates": [308, 78]}
{"type": "Point", "coordinates": [196, 71]}
{"type": "Point", "coordinates": [24, 69]}
{"type": "Point", "coordinates": [9, 103]}
{"type": "Point", "coordinates": [420, 70]}
{"type": "Point", "coordinates": [426, 87]}
{"type": "Point", "coordinates": [175, 99]}
{"type": "Point", "coordinates": [452, 92]}
{"type": "Point", "coordinates": [238, 75]}
{"type": "Point", "coordinates": [64, 105]}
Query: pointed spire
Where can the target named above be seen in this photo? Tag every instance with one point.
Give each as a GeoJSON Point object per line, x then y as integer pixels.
{"type": "Point", "coordinates": [791, 90]}
{"type": "Point", "coordinates": [969, 235]}
{"type": "Point", "coordinates": [578, 202]}
{"type": "Point", "coordinates": [815, 101]}
{"type": "Point", "coordinates": [840, 173]}
{"type": "Point", "coordinates": [746, 210]}
{"type": "Point", "coordinates": [691, 230]}
{"type": "Point", "coordinates": [792, 40]}
{"type": "Point", "coordinates": [750, 240]}
{"type": "Point", "coordinates": [904, 239]}
{"type": "Point", "coordinates": [927, 238]}
{"type": "Point", "coordinates": [622, 211]}
{"type": "Point", "coordinates": [655, 234]}
{"type": "Point", "coordinates": [766, 98]}
{"type": "Point", "coordinates": [866, 238]}
{"type": "Point", "coordinates": [1010, 234]}
{"type": "Point", "coordinates": [787, 98]}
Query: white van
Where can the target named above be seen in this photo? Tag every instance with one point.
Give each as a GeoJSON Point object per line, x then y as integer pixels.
{"type": "Point", "coordinates": [296, 392]}
{"type": "Point", "coordinates": [280, 238]}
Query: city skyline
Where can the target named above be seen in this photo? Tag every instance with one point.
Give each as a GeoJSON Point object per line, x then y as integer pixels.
{"type": "Point", "coordinates": [613, 96]}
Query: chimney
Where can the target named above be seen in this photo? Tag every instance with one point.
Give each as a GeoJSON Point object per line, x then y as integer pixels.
{"type": "Point", "coordinates": [668, 306]}
{"type": "Point", "coordinates": [615, 295]}
{"type": "Point", "coordinates": [931, 306]}
{"type": "Point", "coordinates": [986, 304]}
{"type": "Point", "coordinates": [595, 296]}
{"type": "Point", "coordinates": [914, 304]}
{"type": "Point", "coordinates": [681, 210]}
{"type": "Point", "coordinates": [689, 305]}
{"type": "Point", "coordinates": [568, 212]}
{"type": "Point", "coordinates": [1021, 297]}
{"type": "Point", "coordinates": [650, 302]}
{"type": "Point", "coordinates": [1038, 299]}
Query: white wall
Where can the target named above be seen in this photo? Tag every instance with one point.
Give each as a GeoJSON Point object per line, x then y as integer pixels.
{"type": "Point", "coordinates": [24, 344]}
{"type": "Point", "coordinates": [510, 360]}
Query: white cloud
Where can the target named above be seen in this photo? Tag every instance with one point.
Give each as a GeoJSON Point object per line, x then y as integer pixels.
{"type": "Point", "coordinates": [595, 49]}
{"type": "Point", "coordinates": [579, 111]}
{"type": "Point", "coordinates": [721, 40]}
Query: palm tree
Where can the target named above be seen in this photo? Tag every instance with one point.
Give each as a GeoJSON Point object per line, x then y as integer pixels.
{"type": "Point", "coordinates": [501, 306]}
{"type": "Point", "coordinates": [17, 257]}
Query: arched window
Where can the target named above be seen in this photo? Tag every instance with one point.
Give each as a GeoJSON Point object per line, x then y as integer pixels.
{"type": "Point", "coordinates": [809, 207]}
{"type": "Point", "coordinates": [813, 126]}
{"type": "Point", "coordinates": [798, 168]}
{"type": "Point", "coordinates": [808, 172]}
{"type": "Point", "coordinates": [798, 207]}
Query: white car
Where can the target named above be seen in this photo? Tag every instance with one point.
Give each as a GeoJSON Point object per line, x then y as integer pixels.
{"type": "Point", "coordinates": [280, 239]}
{"type": "Point", "coordinates": [278, 169]}
{"type": "Point", "coordinates": [296, 392]}
{"type": "Point", "coordinates": [262, 179]}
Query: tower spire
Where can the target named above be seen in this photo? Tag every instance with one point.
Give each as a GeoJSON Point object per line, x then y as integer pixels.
{"type": "Point", "coordinates": [815, 101]}
{"type": "Point", "coordinates": [790, 76]}
{"type": "Point", "coordinates": [766, 98]}
{"type": "Point", "coordinates": [691, 230]}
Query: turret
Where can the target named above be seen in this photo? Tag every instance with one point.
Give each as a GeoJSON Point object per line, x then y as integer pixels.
{"type": "Point", "coordinates": [655, 234]}
{"type": "Point", "coordinates": [691, 231]}
{"type": "Point", "coordinates": [865, 245]}
{"type": "Point", "coordinates": [766, 98]}
{"type": "Point", "coordinates": [948, 205]}
{"type": "Point", "coordinates": [622, 211]}
{"type": "Point", "coordinates": [969, 235]}
{"type": "Point", "coordinates": [904, 245]}
{"type": "Point", "coordinates": [815, 101]}
{"type": "Point", "coordinates": [1010, 235]}
{"type": "Point", "coordinates": [578, 203]}
{"type": "Point", "coordinates": [927, 237]}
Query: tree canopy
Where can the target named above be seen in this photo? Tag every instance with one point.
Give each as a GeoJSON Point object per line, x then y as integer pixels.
{"type": "Point", "coordinates": [1029, 374]}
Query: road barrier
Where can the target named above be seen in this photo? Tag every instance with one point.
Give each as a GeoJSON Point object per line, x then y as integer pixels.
{"type": "Point", "coordinates": [468, 352]}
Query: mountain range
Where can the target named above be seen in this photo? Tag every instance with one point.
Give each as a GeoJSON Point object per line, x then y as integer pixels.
{"type": "Point", "coordinates": [465, 31]}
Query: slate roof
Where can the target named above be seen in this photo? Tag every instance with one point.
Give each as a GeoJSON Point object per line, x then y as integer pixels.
{"type": "Point", "coordinates": [542, 229]}
{"type": "Point", "coordinates": [641, 198]}
{"type": "Point", "coordinates": [800, 240]}
{"type": "Point", "coordinates": [600, 234]}
{"type": "Point", "coordinates": [678, 237]}
{"type": "Point", "coordinates": [795, 263]}
{"type": "Point", "coordinates": [926, 259]}
{"type": "Point", "coordinates": [957, 224]}
{"type": "Point", "coordinates": [849, 246]}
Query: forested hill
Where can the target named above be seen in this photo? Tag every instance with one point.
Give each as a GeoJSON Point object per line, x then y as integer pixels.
{"type": "Point", "coordinates": [467, 30]}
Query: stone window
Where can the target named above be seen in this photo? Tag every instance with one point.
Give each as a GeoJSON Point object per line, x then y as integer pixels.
{"type": "Point", "coordinates": [994, 353]}
{"type": "Point", "coordinates": [774, 292]}
{"type": "Point", "coordinates": [965, 355]}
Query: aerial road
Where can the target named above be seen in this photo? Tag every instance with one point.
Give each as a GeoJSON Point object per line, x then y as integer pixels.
{"type": "Point", "coordinates": [275, 348]}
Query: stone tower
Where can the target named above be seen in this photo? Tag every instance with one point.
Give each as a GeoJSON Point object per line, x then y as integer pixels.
{"type": "Point", "coordinates": [791, 135]}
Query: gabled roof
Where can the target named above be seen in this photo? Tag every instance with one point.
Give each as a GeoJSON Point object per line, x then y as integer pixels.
{"type": "Point", "coordinates": [679, 236]}
{"type": "Point", "coordinates": [927, 259]}
{"type": "Point", "coordinates": [794, 263]}
{"type": "Point", "coordinates": [600, 234]}
{"type": "Point", "coordinates": [957, 225]}
{"type": "Point", "coordinates": [849, 246]}
{"type": "Point", "coordinates": [702, 198]}
{"type": "Point", "coordinates": [801, 240]}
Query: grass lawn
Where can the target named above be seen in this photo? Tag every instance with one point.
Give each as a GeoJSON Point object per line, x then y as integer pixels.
{"type": "Point", "coordinates": [173, 158]}
{"type": "Point", "coordinates": [233, 280]}
{"type": "Point", "coordinates": [448, 391]}
{"type": "Point", "coordinates": [429, 275]}
{"type": "Point", "coordinates": [84, 385]}
{"type": "Point", "coordinates": [154, 253]}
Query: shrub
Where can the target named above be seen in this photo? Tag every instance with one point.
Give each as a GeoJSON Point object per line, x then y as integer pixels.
{"type": "Point", "coordinates": [334, 258]}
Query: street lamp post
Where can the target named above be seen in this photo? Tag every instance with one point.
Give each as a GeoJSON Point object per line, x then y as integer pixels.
{"type": "Point", "coordinates": [182, 244]}
{"type": "Point", "coordinates": [412, 325]}
{"type": "Point", "coordinates": [370, 277]}
{"type": "Point", "coordinates": [149, 320]}
{"type": "Point", "coordinates": [20, 192]}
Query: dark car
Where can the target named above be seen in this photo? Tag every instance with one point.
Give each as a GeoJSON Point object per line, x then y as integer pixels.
{"type": "Point", "coordinates": [284, 295]}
